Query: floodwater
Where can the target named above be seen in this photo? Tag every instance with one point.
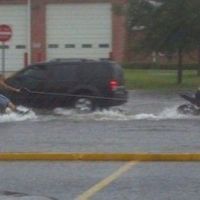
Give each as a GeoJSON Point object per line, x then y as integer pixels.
{"type": "Point", "coordinates": [149, 122]}
{"type": "Point", "coordinates": [141, 106]}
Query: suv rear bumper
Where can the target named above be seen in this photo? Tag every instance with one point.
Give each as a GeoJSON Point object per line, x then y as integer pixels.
{"type": "Point", "coordinates": [118, 97]}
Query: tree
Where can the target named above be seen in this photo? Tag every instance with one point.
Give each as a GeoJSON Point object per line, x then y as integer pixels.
{"type": "Point", "coordinates": [169, 26]}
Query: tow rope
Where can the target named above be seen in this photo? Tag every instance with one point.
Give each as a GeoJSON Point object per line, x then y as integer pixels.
{"type": "Point", "coordinates": [70, 95]}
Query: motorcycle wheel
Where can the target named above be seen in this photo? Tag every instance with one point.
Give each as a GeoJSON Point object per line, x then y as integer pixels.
{"type": "Point", "coordinates": [188, 109]}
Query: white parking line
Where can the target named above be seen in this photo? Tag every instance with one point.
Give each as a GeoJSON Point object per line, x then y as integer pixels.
{"type": "Point", "coordinates": [102, 184]}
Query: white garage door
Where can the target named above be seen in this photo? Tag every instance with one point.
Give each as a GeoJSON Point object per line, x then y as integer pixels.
{"type": "Point", "coordinates": [16, 17]}
{"type": "Point", "coordinates": [79, 30]}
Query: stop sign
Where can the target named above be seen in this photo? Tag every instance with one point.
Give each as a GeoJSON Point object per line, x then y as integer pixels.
{"type": "Point", "coordinates": [5, 32]}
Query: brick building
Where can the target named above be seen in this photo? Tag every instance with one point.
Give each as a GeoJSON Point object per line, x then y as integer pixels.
{"type": "Point", "coordinates": [48, 29]}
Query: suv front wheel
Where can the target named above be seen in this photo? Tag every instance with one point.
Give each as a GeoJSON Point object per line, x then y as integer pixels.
{"type": "Point", "coordinates": [84, 104]}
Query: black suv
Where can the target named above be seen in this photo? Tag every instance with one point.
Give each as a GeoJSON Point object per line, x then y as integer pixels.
{"type": "Point", "coordinates": [80, 83]}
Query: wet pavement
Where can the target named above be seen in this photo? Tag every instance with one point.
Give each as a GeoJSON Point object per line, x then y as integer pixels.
{"type": "Point", "coordinates": [100, 180]}
{"type": "Point", "coordinates": [149, 122]}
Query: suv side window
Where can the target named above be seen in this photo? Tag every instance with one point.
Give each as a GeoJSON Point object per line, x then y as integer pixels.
{"type": "Point", "coordinates": [36, 72]}
{"type": "Point", "coordinates": [32, 78]}
{"type": "Point", "coordinates": [65, 72]}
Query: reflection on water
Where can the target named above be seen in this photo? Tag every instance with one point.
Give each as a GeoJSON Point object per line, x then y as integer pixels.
{"type": "Point", "coordinates": [8, 195]}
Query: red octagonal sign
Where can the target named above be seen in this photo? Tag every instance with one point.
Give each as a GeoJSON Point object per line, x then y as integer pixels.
{"type": "Point", "coordinates": [5, 32]}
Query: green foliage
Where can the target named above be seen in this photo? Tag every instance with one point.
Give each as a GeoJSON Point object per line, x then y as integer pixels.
{"type": "Point", "coordinates": [139, 13]}
{"type": "Point", "coordinates": [159, 66]}
{"type": "Point", "coordinates": [159, 79]}
{"type": "Point", "coordinates": [169, 26]}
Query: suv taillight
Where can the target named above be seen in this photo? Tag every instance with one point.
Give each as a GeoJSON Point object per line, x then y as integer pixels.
{"type": "Point", "coordinates": [113, 84]}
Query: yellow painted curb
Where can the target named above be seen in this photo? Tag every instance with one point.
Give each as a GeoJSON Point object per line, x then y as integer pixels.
{"type": "Point", "coordinates": [21, 156]}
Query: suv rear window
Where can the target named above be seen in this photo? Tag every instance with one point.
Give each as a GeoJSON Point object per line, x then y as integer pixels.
{"type": "Point", "coordinates": [95, 71]}
{"type": "Point", "coordinates": [118, 73]}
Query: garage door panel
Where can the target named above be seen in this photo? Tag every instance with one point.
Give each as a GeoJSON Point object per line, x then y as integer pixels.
{"type": "Point", "coordinates": [87, 27]}
{"type": "Point", "coordinates": [80, 32]}
{"type": "Point", "coordinates": [70, 38]}
{"type": "Point", "coordinates": [79, 54]}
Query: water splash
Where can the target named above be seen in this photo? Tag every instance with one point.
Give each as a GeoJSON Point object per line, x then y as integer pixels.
{"type": "Point", "coordinates": [122, 115]}
{"type": "Point", "coordinates": [12, 116]}
{"type": "Point", "coordinates": [64, 112]}
{"type": "Point", "coordinates": [113, 114]}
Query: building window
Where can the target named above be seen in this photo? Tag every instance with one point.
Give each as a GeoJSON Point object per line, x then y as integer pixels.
{"type": "Point", "coordinates": [4, 46]}
{"type": "Point", "coordinates": [68, 46]}
{"type": "Point", "coordinates": [20, 46]}
{"type": "Point", "coordinates": [53, 46]}
{"type": "Point", "coordinates": [86, 46]}
{"type": "Point", "coordinates": [103, 45]}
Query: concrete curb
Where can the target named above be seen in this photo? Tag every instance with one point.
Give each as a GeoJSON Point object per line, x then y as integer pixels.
{"type": "Point", "coordinates": [22, 156]}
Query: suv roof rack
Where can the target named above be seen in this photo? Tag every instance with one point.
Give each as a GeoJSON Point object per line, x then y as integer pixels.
{"type": "Point", "coordinates": [71, 60]}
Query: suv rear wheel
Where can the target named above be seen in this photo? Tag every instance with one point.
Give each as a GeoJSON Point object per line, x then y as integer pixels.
{"type": "Point", "coordinates": [84, 104]}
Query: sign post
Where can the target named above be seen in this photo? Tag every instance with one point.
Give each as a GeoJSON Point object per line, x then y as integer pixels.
{"type": "Point", "coordinates": [3, 58]}
{"type": "Point", "coordinates": [5, 35]}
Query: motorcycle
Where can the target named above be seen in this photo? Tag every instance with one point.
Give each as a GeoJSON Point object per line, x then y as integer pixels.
{"type": "Point", "coordinates": [191, 108]}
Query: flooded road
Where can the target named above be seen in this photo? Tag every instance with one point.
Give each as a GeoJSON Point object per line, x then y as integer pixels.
{"type": "Point", "coordinates": [149, 122]}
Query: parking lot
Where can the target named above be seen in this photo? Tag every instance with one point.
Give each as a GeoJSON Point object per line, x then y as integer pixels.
{"type": "Point", "coordinates": [148, 123]}
{"type": "Point", "coordinates": [102, 180]}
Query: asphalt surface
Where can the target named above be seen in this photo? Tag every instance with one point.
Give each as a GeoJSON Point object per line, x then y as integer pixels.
{"type": "Point", "coordinates": [149, 122]}
{"type": "Point", "coordinates": [72, 180]}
